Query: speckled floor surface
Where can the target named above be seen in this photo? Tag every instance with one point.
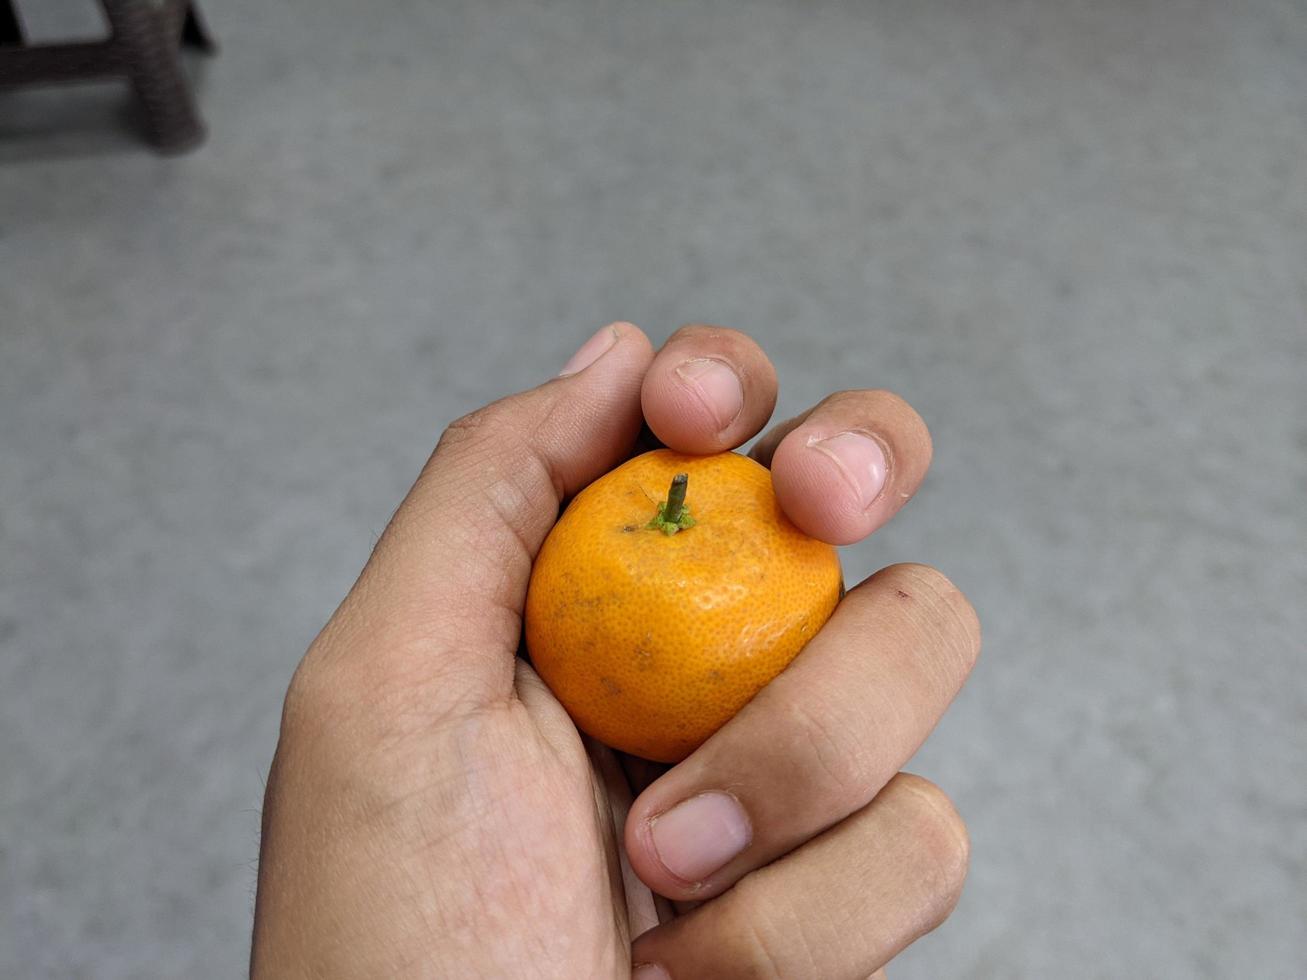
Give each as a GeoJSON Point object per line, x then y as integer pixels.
{"type": "Point", "coordinates": [1074, 235]}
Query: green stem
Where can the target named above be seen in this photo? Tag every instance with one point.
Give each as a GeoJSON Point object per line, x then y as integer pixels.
{"type": "Point", "coordinates": [676, 498]}
{"type": "Point", "coordinates": [673, 515]}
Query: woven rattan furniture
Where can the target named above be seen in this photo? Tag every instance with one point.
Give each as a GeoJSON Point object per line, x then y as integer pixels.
{"type": "Point", "coordinates": [144, 46]}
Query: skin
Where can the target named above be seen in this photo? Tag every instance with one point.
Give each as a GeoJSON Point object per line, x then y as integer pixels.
{"type": "Point", "coordinates": [432, 811]}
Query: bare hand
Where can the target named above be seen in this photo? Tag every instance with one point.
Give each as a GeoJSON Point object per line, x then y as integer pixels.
{"type": "Point", "coordinates": [432, 810]}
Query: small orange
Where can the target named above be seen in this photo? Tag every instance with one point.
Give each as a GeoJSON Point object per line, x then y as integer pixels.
{"type": "Point", "coordinates": [654, 634]}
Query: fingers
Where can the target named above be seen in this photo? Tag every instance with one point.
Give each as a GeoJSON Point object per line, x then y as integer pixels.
{"type": "Point", "coordinates": [841, 906]}
{"type": "Point", "coordinates": [440, 598]}
{"type": "Point", "coordinates": [845, 467]}
{"type": "Point", "coordinates": [613, 799]}
{"type": "Point", "coordinates": [709, 390]}
{"type": "Point", "coordinates": [814, 745]}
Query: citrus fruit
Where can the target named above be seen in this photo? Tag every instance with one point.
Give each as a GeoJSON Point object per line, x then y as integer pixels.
{"type": "Point", "coordinates": [653, 620]}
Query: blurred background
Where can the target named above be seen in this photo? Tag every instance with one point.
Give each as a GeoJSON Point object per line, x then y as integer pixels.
{"type": "Point", "coordinates": [1072, 234]}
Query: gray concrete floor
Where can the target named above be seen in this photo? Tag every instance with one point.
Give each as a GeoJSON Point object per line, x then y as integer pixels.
{"type": "Point", "coordinates": [1073, 234]}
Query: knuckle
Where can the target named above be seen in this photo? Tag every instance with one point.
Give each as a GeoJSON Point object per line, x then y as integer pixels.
{"type": "Point", "coordinates": [878, 402]}
{"type": "Point", "coordinates": [896, 420]}
{"type": "Point", "coordinates": [296, 705]}
{"type": "Point", "coordinates": [474, 427]}
{"type": "Point", "coordinates": [889, 402]}
{"type": "Point", "coordinates": [321, 702]}
{"type": "Point", "coordinates": [360, 721]}
{"type": "Point", "coordinates": [889, 405]}
{"type": "Point", "coordinates": [334, 688]}
{"type": "Point", "coordinates": [943, 846]}
{"type": "Point", "coordinates": [701, 331]}
{"type": "Point", "coordinates": [506, 435]}
{"type": "Point", "coordinates": [735, 346]}
{"type": "Point", "coordinates": [306, 696]}
{"type": "Point", "coordinates": [494, 452]}
{"type": "Point", "coordinates": [832, 750]}
{"type": "Point", "coordinates": [777, 933]}
{"type": "Point", "coordinates": [757, 947]}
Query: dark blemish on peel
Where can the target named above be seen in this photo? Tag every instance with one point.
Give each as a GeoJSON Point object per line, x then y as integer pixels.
{"type": "Point", "coordinates": [901, 594]}
{"type": "Point", "coordinates": [610, 685]}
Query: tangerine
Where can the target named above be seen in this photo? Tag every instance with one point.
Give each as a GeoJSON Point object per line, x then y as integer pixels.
{"type": "Point", "coordinates": [654, 620]}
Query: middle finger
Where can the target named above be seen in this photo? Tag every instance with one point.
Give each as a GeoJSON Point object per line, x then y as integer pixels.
{"type": "Point", "coordinates": [708, 390]}
{"type": "Point", "coordinates": [815, 744]}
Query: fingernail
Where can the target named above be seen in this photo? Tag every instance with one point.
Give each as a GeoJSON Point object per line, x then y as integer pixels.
{"type": "Point", "coordinates": [862, 461]}
{"type": "Point", "coordinates": [696, 837]}
{"type": "Point", "coordinates": [649, 971]}
{"type": "Point", "coordinates": [590, 351]}
{"type": "Point", "coordinates": [717, 385]}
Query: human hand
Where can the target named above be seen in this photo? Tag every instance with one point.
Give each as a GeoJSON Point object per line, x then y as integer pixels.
{"type": "Point", "coordinates": [432, 810]}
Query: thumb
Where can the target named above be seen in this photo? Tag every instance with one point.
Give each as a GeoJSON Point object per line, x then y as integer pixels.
{"type": "Point", "coordinates": [439, 604]}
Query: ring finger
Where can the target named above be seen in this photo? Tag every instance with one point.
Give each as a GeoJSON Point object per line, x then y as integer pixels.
{"type": "Point", "coordinates": [840, 906]}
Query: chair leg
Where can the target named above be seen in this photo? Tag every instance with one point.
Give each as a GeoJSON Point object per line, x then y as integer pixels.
{"type": "Point", "coordinates": [11, 32]}
{"type": "Point", "coordinates": [155, 69]}
{"type": "Point", "coordinates": [195, 32]}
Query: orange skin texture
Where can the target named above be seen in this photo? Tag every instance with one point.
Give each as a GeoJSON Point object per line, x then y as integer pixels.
{"type": "Point", "coordinates": [652, 642]}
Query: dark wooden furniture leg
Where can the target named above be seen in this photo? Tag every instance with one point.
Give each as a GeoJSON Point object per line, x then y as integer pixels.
{"type": "Point", "coordinates": [195, 33]}
{"type": "Point", "coordinates": [148, 42]}
{"type": "Point", "coordinates": [144, 45]}
{"type": "Point", "coordinates": [10, 31]}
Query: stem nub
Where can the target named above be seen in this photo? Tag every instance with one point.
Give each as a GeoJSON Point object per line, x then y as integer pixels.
{"type": "Point", "coordinates": [673, 515]}
{"type": "Point", "coordinates": [676, 498]}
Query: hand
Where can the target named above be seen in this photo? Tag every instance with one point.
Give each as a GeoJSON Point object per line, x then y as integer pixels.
{"type": "Point", "coordinates": [432, 811]}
